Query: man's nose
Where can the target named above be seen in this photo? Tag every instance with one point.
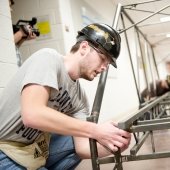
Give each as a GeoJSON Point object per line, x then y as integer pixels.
{"type": "Point", "coordinates": [104, 67]}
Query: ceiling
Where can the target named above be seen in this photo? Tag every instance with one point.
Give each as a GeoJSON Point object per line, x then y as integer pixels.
{"type": "Point", "coordinates": [152, 28]}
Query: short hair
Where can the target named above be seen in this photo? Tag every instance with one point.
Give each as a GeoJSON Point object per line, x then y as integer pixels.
{"type": "Point", "coordinates": [75, 47]}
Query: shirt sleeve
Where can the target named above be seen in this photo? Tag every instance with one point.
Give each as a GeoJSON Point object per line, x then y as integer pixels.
{"type": "Point", "coordinates": [42, 69]}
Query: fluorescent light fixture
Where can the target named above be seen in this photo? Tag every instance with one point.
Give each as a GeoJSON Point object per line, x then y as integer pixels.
{"type": "Point", "coordinates": [168, 35]}
{"type": "Point", "coordinates": [165, 19]}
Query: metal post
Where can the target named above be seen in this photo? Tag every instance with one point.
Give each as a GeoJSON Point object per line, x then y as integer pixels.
{"type": "Point", "coordinates": [127, 43]}
{"type": "Point", "coordinates": [98, 100]}
{"type": "Point", "coordinates": [117, 15]}
{"type": "Point", "coordinates": [93, 148]}
{"type": "Point", "coordinates": [139, 3]}
{"type": "Point", "coordinates": [150, 67]}
{"type": "Point", "coordinates": [143, 62]}
{"type": "Point", "coordinates": [153, 80]}
{"type": "Point", "coordinates": [155, 62]}
{"type": "Point", "coordinates": [145, 11]}
{"type": "Point", "coordinates": [137, 59]}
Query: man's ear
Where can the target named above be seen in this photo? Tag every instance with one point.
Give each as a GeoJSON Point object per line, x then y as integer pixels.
{"type": "Point", "coordinates": [84, 48]}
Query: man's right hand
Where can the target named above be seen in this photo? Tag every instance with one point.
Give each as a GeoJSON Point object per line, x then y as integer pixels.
{"type": "Point", "coordinates": [109, 135]}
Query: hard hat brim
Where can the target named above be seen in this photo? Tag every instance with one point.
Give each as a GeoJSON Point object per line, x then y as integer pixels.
{"type": "Point", "coordinates": [113, 63]}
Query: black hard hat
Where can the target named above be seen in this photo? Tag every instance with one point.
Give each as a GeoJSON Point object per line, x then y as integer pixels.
{"type": "Point", "coordinates": [103, 37]}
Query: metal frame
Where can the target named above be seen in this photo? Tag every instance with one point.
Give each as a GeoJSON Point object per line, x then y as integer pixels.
{"type": "Point", "coordinates": [156, 108]}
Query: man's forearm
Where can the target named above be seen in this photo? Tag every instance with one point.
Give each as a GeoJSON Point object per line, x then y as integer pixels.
{"type": "Point", "coordinates": [50, 120]}
{"type": "Point", "coordinates": [82, 148]}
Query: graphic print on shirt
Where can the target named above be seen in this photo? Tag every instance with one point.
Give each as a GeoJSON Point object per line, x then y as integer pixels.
{"type": "Point", "coordinates": [62, 101]}
{"type": "Point", "coordinates": [42, 149]}
{"type": "Point", "coordinates": [28, 133]}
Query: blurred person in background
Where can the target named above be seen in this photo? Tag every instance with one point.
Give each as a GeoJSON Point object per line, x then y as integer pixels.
{"type": "Point", "coordinates": [21, 35]}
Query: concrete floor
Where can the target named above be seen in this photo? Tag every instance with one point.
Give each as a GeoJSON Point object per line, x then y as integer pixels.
{"type": "Point", "coordinates": [162, 143]}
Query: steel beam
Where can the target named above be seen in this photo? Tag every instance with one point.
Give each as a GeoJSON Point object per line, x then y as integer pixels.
{"type": "Point", "coordinates": [127, 158]}
{"type": "Point", "coordinates": [127, 122]}
{"type": "Point", "coordinates": [150, 127]}
{"type": "Point", "coordinates": [140, 3]}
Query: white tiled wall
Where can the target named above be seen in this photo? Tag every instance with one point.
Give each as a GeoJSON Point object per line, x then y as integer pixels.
{"type": "Point", "coordinates": [8, 65]}
{"type": "Point", "coordinates": [4, 8]}
{"type": "Point", "coordinates": [67, 23]}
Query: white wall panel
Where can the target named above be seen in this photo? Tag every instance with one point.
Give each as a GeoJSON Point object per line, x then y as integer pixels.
{"type": "Point", "coordinates": [6, 73]}
{"type": "Point", "coordinates": [8, 65]}
{"type": "Point", "coordinates": [6, 28]}
{"type": "Point", "coordinates": [4, 8]}
{"type": "Point", "coordinates": [7, 53]}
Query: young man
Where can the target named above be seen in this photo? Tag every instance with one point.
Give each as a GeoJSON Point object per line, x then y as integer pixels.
{"type": "Point", "coordinates": [44, 105]}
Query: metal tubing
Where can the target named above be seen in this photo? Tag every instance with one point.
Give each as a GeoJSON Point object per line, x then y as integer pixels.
{"type": "Point", "coordinates": [145, 122]}
{"type": "Point", "coordinates": [147, 55]}
{"type": "Point", "coordinates": [118, 165]}
{"type": "Point", "coordinates": [136, 137]}
{"type": "Point", "coordinates": [127, 158]}
{"type": "Point", "coordinates": [125, 124]}
{"type": "Point", "coordinates": [145, 18]}
{"type": "Point", "coordinates": [99, 95]}
{"type": "Point", "coordinates": [152, 24]}
{"type": "Point", "coordinates": [152, 141]}
{"type": "Point", "coordinates": [147, 61]}
{"type": "Point", "coordinates": [143, 62]}
{"type": "Point", "coordinates": [145, 11]}
{"type": "Point", "coordinates": [137, 146]}
{"type": "Point", "coordinates": [141, 3]}
{"type": "Point", "coordinates": [130, 57]}
{"type": "Point", "coordinates": [95, 116]}
{"type": "Point", "coordinates": [154, 60]}
{"type": "Point", "coordinates": [93, 148]}
{"type": "Point", "coordinates": [118, 161]}
{"type": "Point", "coordinates": [150, 127]}
{"type": "Point", "coordinates": [137, 59]}
{"type": "Point", "coordinates": [98, 100]}
{"type": "Point", "coordinates": [117, 14]}
{"type": "Point", "coordinates": [165, 102]}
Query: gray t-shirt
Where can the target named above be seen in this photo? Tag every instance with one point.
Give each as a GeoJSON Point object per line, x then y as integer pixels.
{"type": "Point", "coordinates": [46, 68]}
